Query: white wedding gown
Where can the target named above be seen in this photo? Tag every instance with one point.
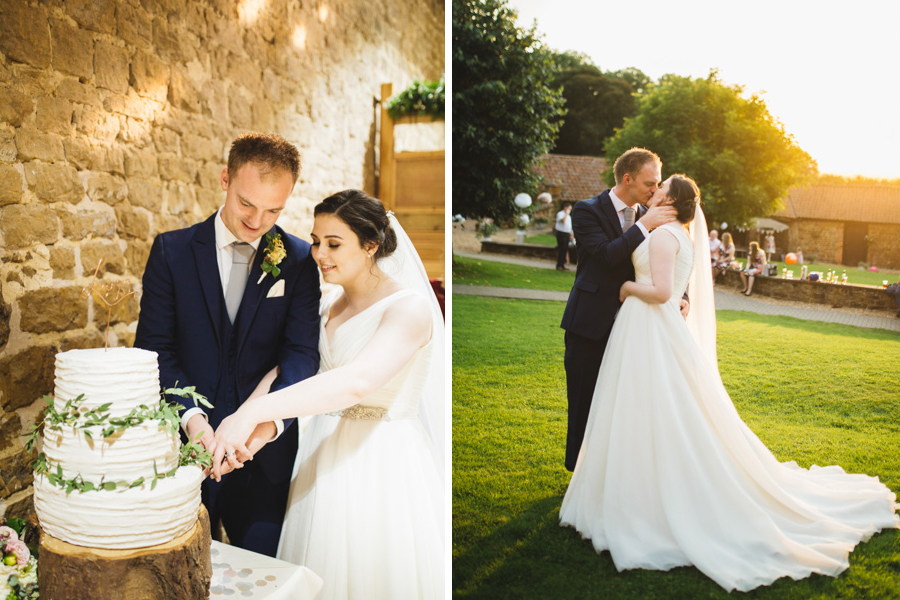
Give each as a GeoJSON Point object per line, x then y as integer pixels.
{"type": "Point", "coordinates": [669, 475]}
{"type": "Point", "coordinates": [365, 510]}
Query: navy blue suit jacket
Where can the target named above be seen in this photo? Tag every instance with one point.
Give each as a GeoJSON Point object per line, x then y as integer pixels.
{"type": "Point", "coordinates": [604, 264]}
{"type": "Point", "coordinates": [181, 316]}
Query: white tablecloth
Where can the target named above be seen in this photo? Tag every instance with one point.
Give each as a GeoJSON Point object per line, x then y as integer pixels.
{"type": "Point", "coordinates": [239, 573]}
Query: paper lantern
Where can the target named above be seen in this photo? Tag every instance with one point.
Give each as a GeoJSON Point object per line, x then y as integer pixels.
{"type": "Point", "coordinates": [523, 200]}
{"type": "Point", "coordinates": [790, 258]}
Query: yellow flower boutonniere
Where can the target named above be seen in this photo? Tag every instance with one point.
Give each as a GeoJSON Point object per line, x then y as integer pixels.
{"type": "Point", "coordinates": [275, 253]}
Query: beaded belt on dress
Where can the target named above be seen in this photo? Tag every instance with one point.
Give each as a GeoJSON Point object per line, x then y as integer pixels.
{"type": "Point", "coordinates": [358, 411]}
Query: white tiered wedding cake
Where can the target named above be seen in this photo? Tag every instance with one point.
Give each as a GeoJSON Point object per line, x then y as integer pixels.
{"type": "Point", "coordinates": [111, 477]}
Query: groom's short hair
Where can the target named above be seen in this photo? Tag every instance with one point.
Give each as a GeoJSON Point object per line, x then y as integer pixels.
{"type": "Point", "coordinates": [268, 149]}
{"type": "Point", "coordinates": [632, 161]}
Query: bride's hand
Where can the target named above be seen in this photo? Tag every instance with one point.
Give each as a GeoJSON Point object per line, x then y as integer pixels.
{"type": "Point", "coordinates": [625, 291]}
{"type": "Point", "coordinates": [231, 439]}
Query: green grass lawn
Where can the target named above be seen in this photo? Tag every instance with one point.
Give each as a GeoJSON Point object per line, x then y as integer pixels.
{"type": "Point", "coordinates": [471, 271]}
{"type": "Point", "coordinates": [544, 239]}
{"type": "Point", "coordinates": [817, 393]}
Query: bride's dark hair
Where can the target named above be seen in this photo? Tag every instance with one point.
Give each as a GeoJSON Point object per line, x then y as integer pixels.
{"type": "Point", "coordinates": [686, 195]}
{"type": "Point", "coordinates": [365, 216]}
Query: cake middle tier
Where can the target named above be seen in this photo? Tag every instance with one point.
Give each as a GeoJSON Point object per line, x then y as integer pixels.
{"type": "Point", "coordinates": [128, 454]}
{"type": "Point", "coordinates": [136, 517]}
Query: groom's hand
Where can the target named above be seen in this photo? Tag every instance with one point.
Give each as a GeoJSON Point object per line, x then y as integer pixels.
{"type": "Point", "coordinates": [658, 215]}
{"type": "Point", "coordinates": [198, 424]}
{"type": "Point", "coordinates": [685, 308]}
{"type": "Point", "coordinates": [262, 435]}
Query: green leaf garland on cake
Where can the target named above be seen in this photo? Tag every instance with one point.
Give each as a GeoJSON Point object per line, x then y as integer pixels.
{"type": "Point", "coordinates": [72, 414]}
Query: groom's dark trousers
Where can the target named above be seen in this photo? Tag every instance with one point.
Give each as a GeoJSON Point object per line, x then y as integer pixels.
{"type": "Point", "coordinates": [184, 319]}
{"type": "Point", "coordinates": [604, 264]}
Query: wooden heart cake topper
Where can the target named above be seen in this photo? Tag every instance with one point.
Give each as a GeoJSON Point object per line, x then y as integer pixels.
{"type": "Point", "coordinates": [109, 293]}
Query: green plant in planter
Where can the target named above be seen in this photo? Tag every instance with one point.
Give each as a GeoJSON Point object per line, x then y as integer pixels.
{"type": "Point", "coordinates": [426, 98]}
{"type": "Point", "coordinates": [486, 228]}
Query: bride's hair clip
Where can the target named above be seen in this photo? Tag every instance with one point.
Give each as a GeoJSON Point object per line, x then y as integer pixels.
{"type": "Point", "coordinates": [381, 235]}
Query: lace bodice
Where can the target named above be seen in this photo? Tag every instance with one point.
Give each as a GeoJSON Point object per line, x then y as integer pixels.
{"type": "Point", "coordinates": [684, 260]}
{"type": "Point", "coordinates": [400, 397]}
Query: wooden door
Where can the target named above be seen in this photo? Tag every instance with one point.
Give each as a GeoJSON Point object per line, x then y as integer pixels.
{"type": "Point", "coordinates": [412, 185]}
{"type": "Point", "coordinates": [856, 248]}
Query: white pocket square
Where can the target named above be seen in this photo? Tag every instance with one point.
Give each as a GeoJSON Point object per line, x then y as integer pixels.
{"type": "Point", "coordinates": [277, 289]}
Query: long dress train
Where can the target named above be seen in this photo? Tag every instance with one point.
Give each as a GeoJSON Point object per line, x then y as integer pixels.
{"type": "Point", "coordinates": [669, 475]}
{"type": "Point", "coordinates": [365, 510]}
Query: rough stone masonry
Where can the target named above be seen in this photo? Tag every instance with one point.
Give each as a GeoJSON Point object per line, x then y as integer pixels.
{"type": "Point", "coordinates": [115, 120]}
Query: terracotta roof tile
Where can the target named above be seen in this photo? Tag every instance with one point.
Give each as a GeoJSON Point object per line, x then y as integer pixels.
{"type": "Point", "coordinates": [579, 177]}
{"type": "Point", "coordinates": [868, 203]}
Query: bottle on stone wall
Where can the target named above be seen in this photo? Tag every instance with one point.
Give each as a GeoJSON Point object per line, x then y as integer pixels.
{"type": "Point", "coordinates": [844, 278]}
{"type": "Point", "coordinates": [803, 271]}
{"type": "Point", "coordinates": [784, 273]}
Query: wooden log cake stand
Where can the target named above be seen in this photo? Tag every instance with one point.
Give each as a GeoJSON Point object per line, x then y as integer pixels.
{"type": "Point", "coordinates": [177, 570]}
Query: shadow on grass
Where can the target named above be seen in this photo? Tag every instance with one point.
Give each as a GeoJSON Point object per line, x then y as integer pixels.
{"type": "Point", "coordinates": [532, 556]}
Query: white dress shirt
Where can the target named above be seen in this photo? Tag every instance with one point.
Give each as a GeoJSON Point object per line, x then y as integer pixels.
{"type": "Point", "coordinates": [563, 222]}
{"type": "Point", "coordinates": [620, 207]}
{"type": "Point", "coordinates": [225, 259]}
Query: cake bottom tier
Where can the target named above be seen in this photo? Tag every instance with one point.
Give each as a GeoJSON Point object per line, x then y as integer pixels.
{"type": "Point", "coordinates": [180, 569]}
{"type": "Point", "coordinates": [122, 518]}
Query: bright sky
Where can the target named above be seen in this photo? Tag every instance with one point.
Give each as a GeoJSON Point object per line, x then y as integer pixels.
{"type": "Point", "coordinates": [829, 70]}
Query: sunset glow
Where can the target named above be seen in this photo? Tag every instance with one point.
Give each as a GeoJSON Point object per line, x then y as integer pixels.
{"type": "Point", "coordinates": [830, 73]}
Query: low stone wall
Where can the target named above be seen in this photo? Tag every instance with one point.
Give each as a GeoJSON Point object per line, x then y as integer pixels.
{"type": "Point", "coordinates": [813, 292]}
{"type": "Point", "coordinates": [537, 251]}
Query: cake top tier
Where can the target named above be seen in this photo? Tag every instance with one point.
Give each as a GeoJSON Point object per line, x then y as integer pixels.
{"type": "Point", "coordinates": [123, 377]}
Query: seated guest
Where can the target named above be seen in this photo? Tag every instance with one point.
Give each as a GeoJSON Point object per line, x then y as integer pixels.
{"type": "Point", "coordinates": [726, 256]}
{"type": "Point", "coordinates": [756, 264]}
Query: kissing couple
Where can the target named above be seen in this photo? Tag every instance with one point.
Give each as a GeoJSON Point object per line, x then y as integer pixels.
{"type": "Point", "coordinates": [666, 473]}
{"type": "Point", "coordinates": [233, 306]}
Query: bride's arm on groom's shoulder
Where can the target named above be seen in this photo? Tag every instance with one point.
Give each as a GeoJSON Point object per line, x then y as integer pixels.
{"type": "Point", "coordinates": [663, 248]}
{"type": "Point", "coordinates": [405, 327]}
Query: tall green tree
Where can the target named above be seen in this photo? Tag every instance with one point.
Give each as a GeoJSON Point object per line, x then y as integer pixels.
{"type": "Point", "coordinates": [504, 110]}
{"type": "Point", "coordinates": [595, 106]}
{"type": "Point", "coordinates": [738, 153]}
{"type": "Point", "coordinates": [639, 81]}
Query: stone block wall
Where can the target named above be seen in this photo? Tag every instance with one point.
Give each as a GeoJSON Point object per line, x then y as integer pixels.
{"type": "Point", "coordinates": [115, 121]}
{"type": "Point", "coordinates": [884, 247]}
{"type": "Point", "coordinates": [825, 238]}
{"type": "Point", "coordinates": [817, 293]}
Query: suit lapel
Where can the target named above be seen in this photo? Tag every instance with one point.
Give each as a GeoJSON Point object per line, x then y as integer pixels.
{"type": "Point", "coordinates": [609, 211]}
{"type": "Point", "coordinates": [253, 293]}
{"type": "Point", "coordinates": [206, 263]}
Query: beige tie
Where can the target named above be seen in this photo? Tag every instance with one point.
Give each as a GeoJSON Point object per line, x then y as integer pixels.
{"type": "Point", "coordinates": [629, 217]}
{"type": "Point", "coordinates": [237, 281]}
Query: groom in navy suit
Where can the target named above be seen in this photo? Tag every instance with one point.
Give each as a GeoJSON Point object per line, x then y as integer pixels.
{"type": "Point", "coordinates": [220, 322]}
{"type": "Point", "coordinates": [607, 231]}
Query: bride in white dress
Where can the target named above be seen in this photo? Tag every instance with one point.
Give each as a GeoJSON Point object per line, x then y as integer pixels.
{"type": "Point", "coordinates": [365, 510]}
{"type": "Point", "coordinates": [669, 475]}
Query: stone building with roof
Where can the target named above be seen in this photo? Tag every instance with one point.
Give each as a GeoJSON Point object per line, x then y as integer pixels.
{"type": "Point", "coordinates": [571, 178]}
{"type": "Point", "coordinates": [844, 223]}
